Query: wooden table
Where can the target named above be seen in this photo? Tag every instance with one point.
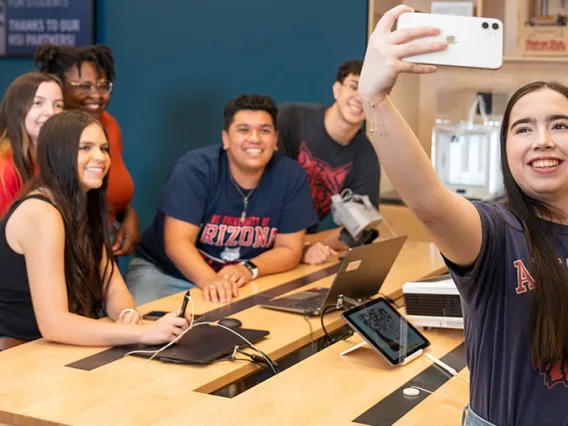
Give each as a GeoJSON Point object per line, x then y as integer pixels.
{"type": "Point", "coordinates": [37, 388]}
{"type": "Point", "coordinates": [328, 389]}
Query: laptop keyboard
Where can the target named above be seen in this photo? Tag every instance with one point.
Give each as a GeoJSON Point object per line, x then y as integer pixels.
{"type": "Point", "coordinates": [312, 304]}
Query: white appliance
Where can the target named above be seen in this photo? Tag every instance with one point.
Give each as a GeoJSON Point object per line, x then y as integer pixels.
{"type": "Point", "coordinates": [466, 155]}
{"type": "Point", "coordinates": [433, 302]}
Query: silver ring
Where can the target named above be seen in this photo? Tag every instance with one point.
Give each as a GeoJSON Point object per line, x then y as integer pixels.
{"type": "Point", "coordinates": [211, 285]}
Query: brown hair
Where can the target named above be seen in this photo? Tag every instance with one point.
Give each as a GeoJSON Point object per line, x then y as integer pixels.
{"type": "Point", "coordinates": [14, 138]}
{"type": "Point", "coordinates": [85, 216]}
{"type": "Point", "coordinates": [549, 316]}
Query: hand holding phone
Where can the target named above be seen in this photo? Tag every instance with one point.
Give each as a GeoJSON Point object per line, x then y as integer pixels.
{"type": "Point", "coordinates": [386, 51]}
{"type": "Point", "coordinates": [473, 42]}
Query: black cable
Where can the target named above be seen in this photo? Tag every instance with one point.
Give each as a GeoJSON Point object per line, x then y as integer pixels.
{"type": "Point", "coordinates": [260, 364]}
{"type": "Point", "coordinates": [259, 360]}
{"type": "Point", "coordinates": [274, 363]}
{"type": "Point", "coordinates": [389, 299]}
{"type": "Point", "coordinates": [266, 360]}
{"type": "Point", "coordinates": [230, 358]}
{"type": "Point", "coordinates": [271, 363]}
{"type": "Point", "coordinates": [324, 310]}
{"type": "Point", "coordinates": [397, 305]}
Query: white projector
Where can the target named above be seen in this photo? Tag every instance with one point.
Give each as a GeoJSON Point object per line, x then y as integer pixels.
{"type": "Point", "coordinates": [433, 302]}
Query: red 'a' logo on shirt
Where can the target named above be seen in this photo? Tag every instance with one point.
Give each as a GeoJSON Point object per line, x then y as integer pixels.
{"type": "Point", "coordinates": [324, 180]}
{"type": "Point", "coordinates": [554, 374]}
{"type": "Point", "coordinates": [525, 281]}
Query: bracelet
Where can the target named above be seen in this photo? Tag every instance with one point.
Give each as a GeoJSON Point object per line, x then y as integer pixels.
{"type": "Point", "coordinates": [375, 119]}
{"type": "Point", "coordinates": [134, 311]}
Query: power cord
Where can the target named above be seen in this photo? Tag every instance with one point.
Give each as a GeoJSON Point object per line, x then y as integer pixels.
{"type": "Point", "coordinates": [445, 367]}
{"type": "Point", "coordinates": [192, 324]}
{"type": "Point", "coordinates": [257, 359]}
{"type": "Point", "coordinates": [397, 305]}
{"type": "Point", "coordinates": [438, 395]}
{"type": "Point", "coordinates": [324, 310]}
{"type": "Point", "coordinates": [273, 364]}
{"type": "Point", "coordinates": [389, 299]}
{"type": "Point", "coordinates": [233, 357]}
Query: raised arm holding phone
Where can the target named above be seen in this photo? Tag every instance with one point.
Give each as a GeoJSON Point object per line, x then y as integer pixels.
{"type": "Point", "coordinates": [504, 258]}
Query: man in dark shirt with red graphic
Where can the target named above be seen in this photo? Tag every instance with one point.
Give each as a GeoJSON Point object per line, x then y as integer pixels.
{"type": "Point", "coordinates": [332, 147]}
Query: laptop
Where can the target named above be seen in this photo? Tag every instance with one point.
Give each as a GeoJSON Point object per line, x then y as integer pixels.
{"type": "Point", "coordinates": [360, 276]}
{"type": "Point", "coordinates": [204, 344]}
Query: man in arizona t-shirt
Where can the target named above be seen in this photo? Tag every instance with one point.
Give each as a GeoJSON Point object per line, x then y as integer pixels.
{"type": "Point", "coordinates": [228, 213]}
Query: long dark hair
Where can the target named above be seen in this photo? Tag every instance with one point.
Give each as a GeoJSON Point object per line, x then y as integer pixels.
{"type": "Point", "coordinates": [549, 315]}
{"type": "Point", "coordinates": [14, 138]}
{"type": "Point", "coordinates": [85, 216]}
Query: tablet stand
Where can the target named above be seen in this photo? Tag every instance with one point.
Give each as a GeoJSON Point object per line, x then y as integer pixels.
{"type": "Point", "coordinates": [353, 348]}
{"type": "Point", "coordinates": [363, 343]}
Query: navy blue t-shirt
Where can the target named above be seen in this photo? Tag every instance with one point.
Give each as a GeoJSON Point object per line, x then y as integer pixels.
{"type": "Point", "coordinates": [507, 388]}
{"type": "Point", "coordinates": [199, 191]}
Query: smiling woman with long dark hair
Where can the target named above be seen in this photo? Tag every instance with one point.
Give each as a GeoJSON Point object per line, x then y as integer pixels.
{"type": "Point", "coordinates": [58, 271]}
{"type": "Point", "coordinates": [509, 260]}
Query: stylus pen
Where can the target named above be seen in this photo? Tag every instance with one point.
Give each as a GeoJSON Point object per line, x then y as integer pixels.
{"type": "Point", "coordinates": [184, 305]}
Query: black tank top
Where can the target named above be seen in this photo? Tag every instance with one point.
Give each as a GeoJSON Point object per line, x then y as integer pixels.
{"type": "Point", "coordinates": [17, 318]}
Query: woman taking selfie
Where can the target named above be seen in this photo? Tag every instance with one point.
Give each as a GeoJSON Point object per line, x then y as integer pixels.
{"type": "Point", "coordinates": [509, 261]}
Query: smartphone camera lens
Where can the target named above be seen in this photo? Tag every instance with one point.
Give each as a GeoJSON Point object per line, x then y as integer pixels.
{"type": "Point", "coordinates": [495, 26]}
{"type": "Point", "coordinates": [485, 25]}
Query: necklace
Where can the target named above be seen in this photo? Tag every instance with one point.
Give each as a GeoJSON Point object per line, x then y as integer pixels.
{"type": "Point", "coordinates": [245, 198]}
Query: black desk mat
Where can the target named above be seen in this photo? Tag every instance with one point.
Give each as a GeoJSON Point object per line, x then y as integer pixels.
{"type": "Point", "coordinates": [392, 408]}
{"type": "Point", "coordinates": [105, 357]}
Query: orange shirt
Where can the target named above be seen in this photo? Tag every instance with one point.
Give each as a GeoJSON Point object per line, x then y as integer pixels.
{"type": "Point", "coordinates": [9, 183]}
{"type": "Point", "coordinates": [120, 184]}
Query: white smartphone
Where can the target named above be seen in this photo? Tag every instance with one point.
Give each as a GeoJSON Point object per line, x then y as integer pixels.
{"type": "Point", "coordinates": [473, 42]}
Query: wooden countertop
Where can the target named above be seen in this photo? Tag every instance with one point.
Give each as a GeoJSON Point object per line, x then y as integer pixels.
{"type": "Point", "coordinates": [328, 389]}
{"type": "Point", "coordinates": [37, 387]}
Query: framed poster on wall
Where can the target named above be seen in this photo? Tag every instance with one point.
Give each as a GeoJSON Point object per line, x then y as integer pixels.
{"type": "Point", "coordinates": [543, 28]}
{"type": "Point", "coordinates": [27, 24]}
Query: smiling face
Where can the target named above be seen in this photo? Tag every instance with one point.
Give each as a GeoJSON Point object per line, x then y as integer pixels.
{"type": "Point", "coordinates": [87, 89]}
{"type": "Point", "coordinates": [537, 145]}
{"type": "Point", "coordinates": [250, 140]}
{"type": "Point", "coordinates": [347, 100]}
{"type": "Point", "coordinates": [48, 100]}
{"type": "Point", "coordinates": [93, 159]}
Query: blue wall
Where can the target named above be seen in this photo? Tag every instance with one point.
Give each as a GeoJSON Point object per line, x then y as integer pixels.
{"type": "Point", "coordinates": [179, 61]}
